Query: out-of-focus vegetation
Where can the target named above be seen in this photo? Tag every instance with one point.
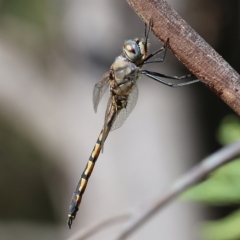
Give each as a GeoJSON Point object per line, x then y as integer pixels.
{"type": "Point", "coordinates": [32, 24]}
{"type": "Point", "coordinates": [33, 11]}
{"type": "Point", "coordinates": [21, 179]}
{"type": "Point", "coordinates": [222, 188]}
{"type": "Point", "coordinates": [29, 25]}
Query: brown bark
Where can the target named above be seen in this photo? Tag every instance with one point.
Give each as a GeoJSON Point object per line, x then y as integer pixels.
{"type": "Point", "coordinates": [197, 55]}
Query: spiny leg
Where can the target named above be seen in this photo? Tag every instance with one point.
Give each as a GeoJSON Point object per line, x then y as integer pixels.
{"type": "Point", "coordinates": [154, 77]}
{"type": "Point", "coordinates": [164, 48]}
{"type": "Point", "coordinates": [146, 33]}
{"type": "Point", "coordinates": [156, 74]}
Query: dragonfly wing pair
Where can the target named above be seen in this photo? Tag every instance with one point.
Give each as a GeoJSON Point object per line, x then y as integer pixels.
{"type": "Point", "coordinates": [124, 113]}
{"type": "Point", "coordinates": [121, 114]}
{"type": "Point", "coordinates": [99, 90]}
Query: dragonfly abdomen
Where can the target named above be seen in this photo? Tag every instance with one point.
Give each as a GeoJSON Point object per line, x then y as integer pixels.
{"type": "Point", "coordinates": [82, 184]}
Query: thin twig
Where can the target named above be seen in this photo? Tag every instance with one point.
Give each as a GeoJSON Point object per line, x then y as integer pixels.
{"type": "Point", "coordinates": [86, 233]}
{"type": "Point", "coordinates": [198, 56]}
{"type": "Point", "coordinates": [195, 175]}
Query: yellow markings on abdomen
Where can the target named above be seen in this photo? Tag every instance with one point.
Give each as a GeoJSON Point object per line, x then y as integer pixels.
{"type": "Point", "coordinates": [96, 151]}
{"type": "Point", "coordinates": [83, 185]}
{"type": "Point", "coordinates": [78, 198]}
{"type": "Point", "coordinates": [100, 136]}
{"type": "Point", "coordinates": [89, 168]}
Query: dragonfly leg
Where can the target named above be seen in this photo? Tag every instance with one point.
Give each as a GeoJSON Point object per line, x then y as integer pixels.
{"type": "Point", "coordinates": [156, 78]}
{"type": "Point", "coordinates": [146, 33]}
{"type": "Point", "coordinates": [156, 74]}
{"type": "Point", "coordinates": [164, 48]}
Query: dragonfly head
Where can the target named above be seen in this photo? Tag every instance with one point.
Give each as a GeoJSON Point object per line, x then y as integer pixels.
{"type": "Point", "coordinates": [135, 50]}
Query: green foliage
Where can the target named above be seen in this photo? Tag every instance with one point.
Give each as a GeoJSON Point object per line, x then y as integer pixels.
{"type": "Point", "coordinates": [34, 11]}
{"type": "Point", "coordinates": [221, 188]}
{"type": "Point", "coordinates": [24, 193]}
{"type": "Point", "coordinates": [229, 130]}
{"type": "Point", "coordinates": [32, 24]}
{"type": "Point", "coordinates": [223, 229]}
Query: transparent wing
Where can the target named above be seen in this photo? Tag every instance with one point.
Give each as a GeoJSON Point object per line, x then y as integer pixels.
{"type": "Point", "coordinates": [99, 90]}
{"type": "Point", "coordinates": [110, 116]}
{"type": "Point", "coordinates": [124, 113]}
{"type": "Point", "coordinates": [120, 119]}
{"type": "Point", "coordinates": [108, 110]}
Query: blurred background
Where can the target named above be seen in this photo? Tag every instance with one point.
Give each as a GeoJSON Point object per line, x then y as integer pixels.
{"type": "Point", "coordinates": [52, 52]}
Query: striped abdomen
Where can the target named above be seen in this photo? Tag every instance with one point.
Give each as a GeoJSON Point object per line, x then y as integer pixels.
{"type": "Point", "coordinates": [77, 195]}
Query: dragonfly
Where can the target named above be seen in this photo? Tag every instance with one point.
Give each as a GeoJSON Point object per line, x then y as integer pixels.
{"type": "Point", "coordinates": [121, 80]}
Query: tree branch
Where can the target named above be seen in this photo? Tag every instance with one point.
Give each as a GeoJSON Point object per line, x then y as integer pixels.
{"type": "Point", "coordinates": [197, 55]}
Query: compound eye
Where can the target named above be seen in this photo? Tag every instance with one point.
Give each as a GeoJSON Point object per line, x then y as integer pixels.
{"type": "Point", "coordinates": [131, 50]}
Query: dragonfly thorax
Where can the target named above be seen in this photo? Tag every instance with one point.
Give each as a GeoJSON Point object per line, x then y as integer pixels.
{"type": "Point", "coordinates": [124, 71]}
{"type": "Point", "coordinates": [135, 50]}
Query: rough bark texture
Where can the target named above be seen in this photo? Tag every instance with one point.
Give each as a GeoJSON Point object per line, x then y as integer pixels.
{"type": "Point", "coordinates": [197, 55]}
